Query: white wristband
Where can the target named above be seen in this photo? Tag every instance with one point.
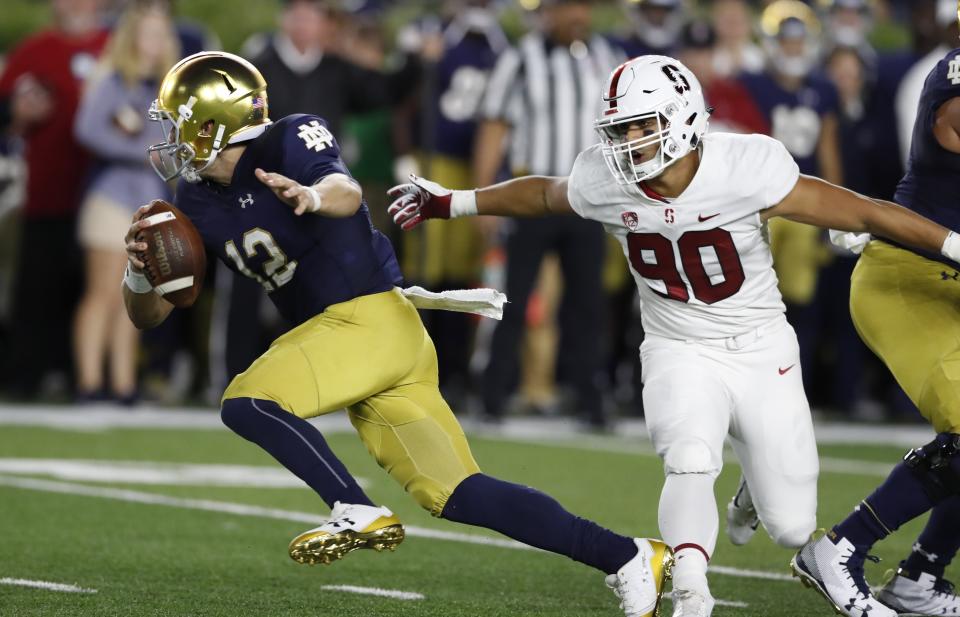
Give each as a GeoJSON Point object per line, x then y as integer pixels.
{"type": "Point", "coordinates": [463, 203]}
{"type": "Point", "coordinates": [951, 247]}
{"type": "Point", "coordinates": [314, 198]}
{"type": "Point", "coordinates": [136, 281]}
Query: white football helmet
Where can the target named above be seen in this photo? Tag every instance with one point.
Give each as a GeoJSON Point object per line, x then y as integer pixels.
{"type": "Point", "coordinates": [664, 95]}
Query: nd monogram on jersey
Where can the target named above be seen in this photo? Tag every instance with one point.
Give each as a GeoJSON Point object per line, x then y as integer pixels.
{"type": "Point", "coordinates": [701, 261]}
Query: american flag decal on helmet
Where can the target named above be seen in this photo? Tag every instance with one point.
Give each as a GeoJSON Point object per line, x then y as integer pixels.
{"type": "Point", "coordinates": [257, 102]}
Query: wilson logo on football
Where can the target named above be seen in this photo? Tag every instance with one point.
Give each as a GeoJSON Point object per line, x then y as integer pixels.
{"type": "Point", "coordinates": [160, 252]}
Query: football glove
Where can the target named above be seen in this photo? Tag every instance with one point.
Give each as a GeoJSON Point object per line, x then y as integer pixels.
{"type": "Point", "coordinates": [420, 199]}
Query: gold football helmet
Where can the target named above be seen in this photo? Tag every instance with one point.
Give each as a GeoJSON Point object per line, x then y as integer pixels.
{"type": "Point", "coordinates": [206, 102]}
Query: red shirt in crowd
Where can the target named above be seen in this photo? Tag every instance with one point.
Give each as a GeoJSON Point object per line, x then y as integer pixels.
{"type": "Point", "coordinates": [734, 109]}
{"type": "Point", "coordinates": [56, 163]}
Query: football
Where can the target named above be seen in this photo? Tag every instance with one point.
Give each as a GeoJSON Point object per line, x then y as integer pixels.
{"type": "Point", "coordinates": [175, 261]}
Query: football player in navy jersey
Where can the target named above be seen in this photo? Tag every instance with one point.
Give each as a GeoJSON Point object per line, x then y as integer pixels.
{"type": "Point", "coordinates": [275, 202]}
{"type": "Point", "coordinates": [904, 304]}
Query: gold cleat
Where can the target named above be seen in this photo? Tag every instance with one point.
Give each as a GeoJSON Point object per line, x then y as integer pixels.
{"type": "Point", "coordinates": [350, 527]}
{"type": "Point", "coordinates": [662, 565]}
{"type": "Point", "coordinates": [639, 583]}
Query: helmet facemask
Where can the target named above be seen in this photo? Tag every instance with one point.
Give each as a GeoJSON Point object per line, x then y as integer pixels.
{"type": "Point", "coordinates": [620, 152]}
{"type": "Point", "coordinates": [173, 157]}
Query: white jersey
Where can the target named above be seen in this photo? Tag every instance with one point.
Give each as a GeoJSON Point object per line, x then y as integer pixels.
{"type": "Point", "coordinates": [702, 261]}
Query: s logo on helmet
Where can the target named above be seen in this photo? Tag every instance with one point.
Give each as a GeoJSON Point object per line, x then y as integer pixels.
{"type": "Point", "coordinates": [631, 220]}
{"type": "Point", "coordinates": [680, 83]}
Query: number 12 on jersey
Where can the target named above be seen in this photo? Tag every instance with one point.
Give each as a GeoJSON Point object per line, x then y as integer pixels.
{"type": "Point", "coordinates": [665, 267]}
{"type": "Point", "coordinates": [278, 268]}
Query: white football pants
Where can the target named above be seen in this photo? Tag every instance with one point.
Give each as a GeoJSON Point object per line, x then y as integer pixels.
{"type": "Point", "coordinates": [749, 388]}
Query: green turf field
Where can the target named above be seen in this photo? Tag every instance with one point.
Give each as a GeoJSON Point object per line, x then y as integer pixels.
{"type": "Point", "coordinates": [174, 558]}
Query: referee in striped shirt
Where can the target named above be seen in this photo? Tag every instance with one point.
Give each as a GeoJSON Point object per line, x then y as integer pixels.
{"type": "Point", "coordinates": [538, 112]}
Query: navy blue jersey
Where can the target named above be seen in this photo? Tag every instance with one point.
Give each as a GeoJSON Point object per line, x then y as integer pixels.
{"type": "Point", "coordinates": [933, 173]}
{"type": "Point", "coordinates": [306, 263]}
{"type": "Point", "coordinates": [461, 80]}
{"type": "Point", "coordinates": [795, 118]}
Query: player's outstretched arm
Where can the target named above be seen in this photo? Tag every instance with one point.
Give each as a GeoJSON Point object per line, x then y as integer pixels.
{"type": "Point", "coordinates": [334, 195]}
{"type": "Point", "coordinates": [527, 197]}
{"type": "Point", "coordinates": [817, 202]}
{"type": "Point", "coordinates": [146, 308]}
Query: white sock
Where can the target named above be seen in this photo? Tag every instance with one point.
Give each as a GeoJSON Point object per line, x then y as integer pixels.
{"type": "Point", "coordinates": [689, 521]}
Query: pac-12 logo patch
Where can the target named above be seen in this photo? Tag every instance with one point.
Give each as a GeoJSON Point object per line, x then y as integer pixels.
{"type": "Point", "coordinates": [631, 220]}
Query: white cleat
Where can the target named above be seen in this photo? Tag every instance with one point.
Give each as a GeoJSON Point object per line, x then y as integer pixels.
{"type": "Point", "coordinates": [742, 519]}
{"type": "Point", "coordinates": [836, 572]}
{"type": "Point", "coordinates": [927, 595]}
{"type": "Point", "coordinates": [639, 583]}
{"type": "Point", "coordinates": [349, 527]}
{"type": "Point", "coordinates": [689, 603]}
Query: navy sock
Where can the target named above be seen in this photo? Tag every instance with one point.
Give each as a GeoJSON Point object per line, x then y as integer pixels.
{"type": "Point", "coordinates": [938, 543]}
{"type": "Point", "coordinates": [531, 517]}
{"type": "Point", "coordinates": [296, 444]}
{"type": "Point", "coordinates": [899, 499]}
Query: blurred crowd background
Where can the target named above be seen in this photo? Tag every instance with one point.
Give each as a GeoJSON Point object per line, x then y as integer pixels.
{"type": "Point", "coordinates": [465, 92]}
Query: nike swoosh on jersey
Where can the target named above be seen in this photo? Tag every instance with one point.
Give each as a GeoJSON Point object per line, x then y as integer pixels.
{"type": "Point", "coordinates": [702, 218]}
{"type": "Point", "coordinates": [783, 371]}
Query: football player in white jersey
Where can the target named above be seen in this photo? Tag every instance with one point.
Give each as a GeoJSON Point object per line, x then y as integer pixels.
{"type": "Point", "coordinates": [719, 359]}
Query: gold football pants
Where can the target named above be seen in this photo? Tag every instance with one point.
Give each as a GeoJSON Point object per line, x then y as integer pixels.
{"type": "Point", "coordinates": [372, 356]}
{"type": "Point", "coordinates": [907, 310]}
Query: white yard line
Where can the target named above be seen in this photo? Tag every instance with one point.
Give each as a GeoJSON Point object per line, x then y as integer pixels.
{"type": "Point", "coordinates": [238, 509]}
{"type": "Point", "coordinates": [376, 591]}
{"type": "Point", "coordinates": [732, 603]}
{"type": "Point", "coordinates": [759, 574]}
{"type": "Point", "coordinates": [156, 473]}
{"type": "Point", "coordinates": [23, 582]}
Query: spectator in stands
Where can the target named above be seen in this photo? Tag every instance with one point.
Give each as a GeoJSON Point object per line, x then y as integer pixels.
{"type": "Point", "coordinates": [39, 93]}
{"type": "Point", "coordinates": [734, 110]}
{"type": "Point", "coordinates": [111, 123]}
{"type": "Point", "coordinates": [655, 27]}
{"type": "Point", "coordinates": [736, 52]}
{"type": "Point", "coordinates": [847, 24]}
{"type": "Point", "coordinates": [444, 108]}
{"type": "Point", "coordinates": [801, 107]}
{"type": "Point", "coordinates": [540, 100]}
{"type": "Point", "coordinates": [864, 149]}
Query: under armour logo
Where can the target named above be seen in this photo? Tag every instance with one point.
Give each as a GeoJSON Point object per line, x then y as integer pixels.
{"type": "Point", "coordinates": [931, 557]}
{"type": "Point", "coordinates": [315, 136]}
{"type": "Point", "coordinates": [244, 202]}
{"type": "Point", "coordinates": [853, 605]}
{"type": "Point", "coordinates": [345, 520]}
{"type": "Point", "coordinates": [947, 277]}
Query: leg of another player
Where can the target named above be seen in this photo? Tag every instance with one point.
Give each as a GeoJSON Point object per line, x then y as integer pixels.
{"type": "Point", "coordinates": [534, 518]}
{"type": "Point", "coordinates": [918, 586]}
{"type": "Point", "coordinates": [938, 543]}
{"type": "Point", "coordinates": [834, 563]}
{"type": "Point", "coordinates": [296, 444]}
